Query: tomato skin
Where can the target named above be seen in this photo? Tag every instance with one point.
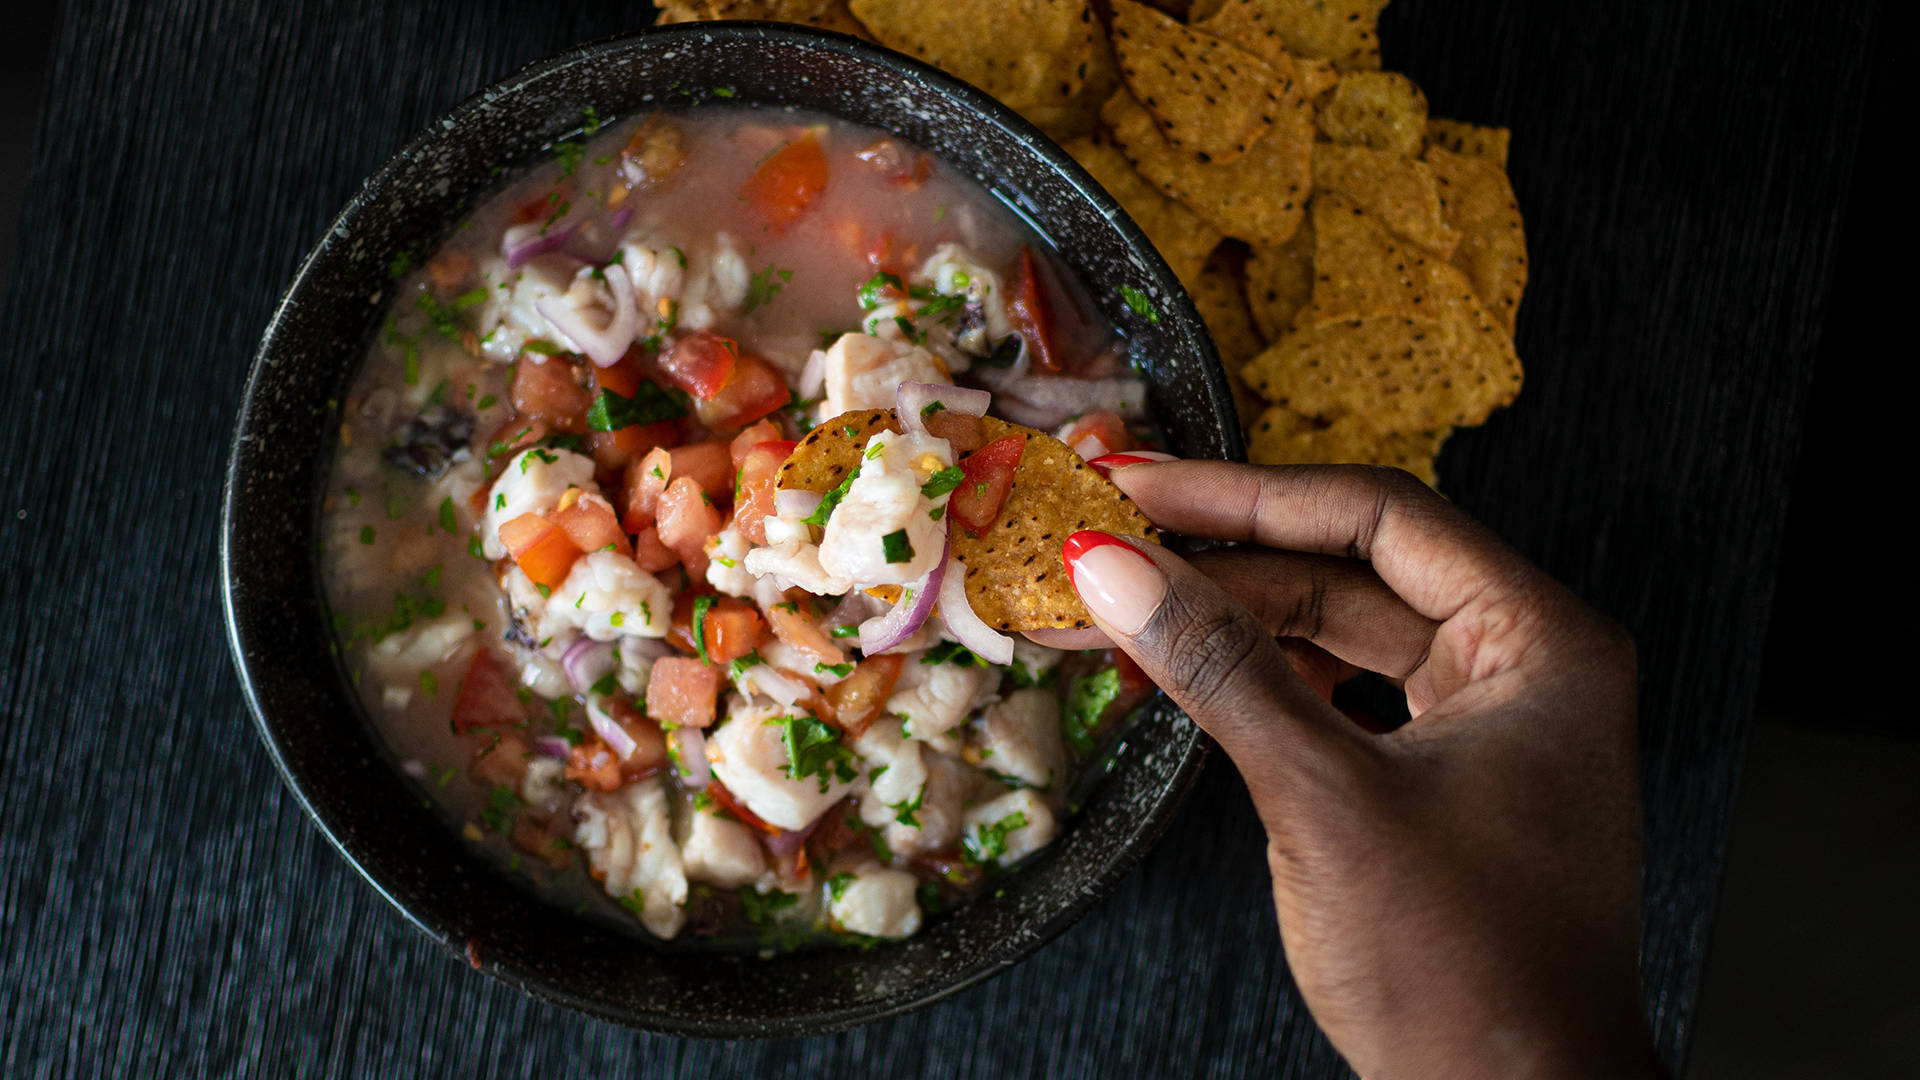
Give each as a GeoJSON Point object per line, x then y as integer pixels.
{"type": "Point", "coordinates": [1096, 433]}
{"type": "Point", "coordinates": [541, 550]}
{"type": "Point", "coordinates": [859, 698]}
{"type": "Point", "coordinates": [709, 464]}
{"type": "Point", "coordinates": [724, 800]}
{"type": "Point", "coordinates": [681, 692]}
{"type": "Point", "coordinates": [756, 390]}
{"type": "Point", "coordinates": [700, 363]}
{"type": "Point", "coordinates": [732, 629]}
{"type": "Point", "coordinates": [743, 443]}
{"type": "Point", "coordinates": [593, 766]}
{"type": "Point", "coordinates": [989, 476]}
{"type": "Point", "coordinates": [486, 698]}
{"type": "Point", "coordinates": [545, 388]}
{"type": "Point", "coordinates": [1032, 316]}
{"type": "Point", "coordinates": [686, 518]}
{"type": "Point", "coordinates": [619, 449]}
{"type": "Point", "coordinates": [788, 182]}
{"type": "Point", "coordinates": [645, 480]}
{"type": "Point", "coordinates": [650, 554]}
{"type": "Point", "coordinates": [754, 499]}
{"type": "Point", "coordinates": [592, 526]}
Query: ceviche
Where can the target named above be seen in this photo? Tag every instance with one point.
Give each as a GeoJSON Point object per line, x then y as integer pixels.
{"type": "Point", "coordinates": [591, 609]}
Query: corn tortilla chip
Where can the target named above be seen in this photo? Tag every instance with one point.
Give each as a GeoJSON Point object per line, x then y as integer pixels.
{"type": "Point", "coordinates": [1451, 367]}
{"type": "Point", "coordinates": [1080, 114]}
{"type": "Point", "coordinates": [1401, 193]}
{"type": "Point", "coordinates": [1477, 199]}
{"type": "Point", "coordinates": [1469, 140]}
{"type": "Point", "coordinates": [825, 14]}
{"type": "Point", "coordinates": [1024, 52]}
{"type": "Point", "coordinates": [1381, 109]}
{"type": "Point", "coordinates": [1015, 577]}
{"type": "Point", "coordinates": [1178, 233]}
{"type": "Point", "coordinates": [1209, 98]}
{"type": "Point", "coordinates": [1282, 436]}
{"type": "Point", "coordinates": [1280, 282]}
{"type": "Point", "coordinates": [1260, 198]}
{"type": "Point", "coordinates": [1219, 294]}
{"type": "Point", "coordinates": [1362, 271]}
{"type": "Point", "coordinates": [1345, 32]}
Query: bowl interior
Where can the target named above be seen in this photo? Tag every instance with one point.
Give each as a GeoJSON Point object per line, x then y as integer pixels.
{"type": "Point", "coordinates": [315, 728]}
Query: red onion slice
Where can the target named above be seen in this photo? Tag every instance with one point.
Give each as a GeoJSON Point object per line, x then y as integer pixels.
{"type": "Point", "coordinates": [603, 345]}
{"type": "Point", "coordinates": [957, 612]}
{"type": "Point", "coordinates": [552, 746]}
{"type": "Point", "coordinates": [795, 503]}
{"type": "Point", "coordinates": [877, 635]}
{"type": "Point", "coordinates": [688, 745]}
{"type": "Point", "coordinates": [855, 608]}
{"type": "Point", "coordinates": [525, 242]}
{"type": "Point", "coordinates": [609, 729]}
{"type": "Point", "coordinates": [914, 398]}
{"type": "Point", "coordinates": [587, 661]}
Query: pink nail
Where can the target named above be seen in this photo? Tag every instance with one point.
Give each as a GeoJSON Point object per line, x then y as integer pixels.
{"type": "Point", "coordinates": [1121, 586]}
{"type": "Point", "coordinates": [1106, 463]}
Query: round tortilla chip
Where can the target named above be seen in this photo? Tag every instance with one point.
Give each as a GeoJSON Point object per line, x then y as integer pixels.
{"type": "Point", "coordinates": [1016, 579]}
{"type": "Point", "coordinates": [1210, 98]}
{"type": "Point", "coordinates": [1024, 52]}
{"type": "Point", "coordinates": [1260, 199]}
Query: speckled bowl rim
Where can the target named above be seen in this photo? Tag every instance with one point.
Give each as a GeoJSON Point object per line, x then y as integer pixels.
{"type": "Point", "coordinates": [248, 625]}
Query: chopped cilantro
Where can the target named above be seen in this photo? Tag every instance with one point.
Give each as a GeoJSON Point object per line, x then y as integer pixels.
{"type": "Point", "coordinates": [699, 626]}
{"type": "Point", "coordinates": [761, 288]}
{"type": "Point", "coordinates": [400, 265]}
{"type": "Point", "coordinates": [875, 450]}
{"type": "Point", "coordinates": [1087, 699]}
{"type": "Point", "coordinates": [648, 405]}
{"type": "Point", "coordinates": [952, 652]}
{"type": "Point", "coordinates": [501, 804]}
{"type": "Point", "coordinates": [1137, 301]}
{"type": "Point", "coordinates": [942, 307]}
{"type": "Point", "coordinates": [871, 292]}
{"type": "Point", "coordinates": [739, 667]}
{"type": "Point", "coordinates": [439, 316]}
{"type": "Point", "coordinates": [904, 811]}
{"type": "Point", "coordinates": [943, 481]}
{"type": "Point", "coordinates": [838, 671]}
{"type": "Point", "coordinates": [832, 499]}
{"type": "Point", "coordinates": [605, 685]}
{"type": "Point", "coordinates": [448, 523]}
{"type": "Point", "coordinates": [814, 749]}
{"type": "Point", "coordinates": [837, 884]}
{"type": "Point", "coordinates": [896, 547]}
{"type": "Point", "coordinates": [986, 843]}
{"type": "Point", "coordinates": [543, 348]}
{"type": "Point", "coordinates": [429, 683]}
{"type": "Point", "coordinates": [846, 631]}
{"type": "Point", "coordinates": [759, 907]}
{"type": "Point", "coordinates": [366, 535]}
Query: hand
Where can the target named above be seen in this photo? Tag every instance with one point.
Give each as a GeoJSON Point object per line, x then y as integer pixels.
{"type": "Point", "coordinates": [1460, 897]}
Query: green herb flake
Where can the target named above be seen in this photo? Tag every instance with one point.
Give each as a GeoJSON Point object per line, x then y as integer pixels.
{"type": "Point", "coordinates": [1088, 697]}
{"type": "Point", "coordinates": [905, 811]}
{"type": "Point", "coordinates": [837, 884]}
{"type": "Point", "coordinates": [985, 844]}
{"type": "Point", "coordinates": [896, 547]}
{"type": "Point", "coordinates": [429, 683]}
{"type": "Point", "coordinates": [814, 749]}
{"type": "Point", "coordinates": [1138, 303]}
{"type": "Point", "coordinates": [648, 405]}
{"type": "Point", "coordinates": [872, 293]}
{"type": "Point", "coordinates": [943, 481]}
{"type": "Point", "coordinates": [832, 499]}
{"type": "Point", "coordinates": [605, 685]}
{"type": "Point", "coordinates": [367, 535]}
{"type": "Point", "coordinates": [762, 288]}
{"type": "Point", "coordinates": [952, 652]}
{"type": "Point", "coordinates": [543, 348]}
{"type": "Point", "coordinates": [846, 631]}
{"type": "Point", "coordinates": [838, 671]}
{"type": "Point", "coordinates": [448, 522]}
{"type": "Point", "coordinates": [701, 604]}
{"type": "Point", "coordinates": [502, 802]}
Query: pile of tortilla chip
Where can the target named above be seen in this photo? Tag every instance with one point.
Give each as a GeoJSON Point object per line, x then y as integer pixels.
{"type": "Point", "coordinates": [1016, 579]}
{"type": "Point", "coordinates": [1359, 263]}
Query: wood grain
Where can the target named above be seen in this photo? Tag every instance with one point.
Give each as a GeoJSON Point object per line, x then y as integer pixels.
{"type": "Point", "coordinates": [165, 909]}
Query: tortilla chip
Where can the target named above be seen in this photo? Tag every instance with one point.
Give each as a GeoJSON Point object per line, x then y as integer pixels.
{"type": "Point", "coordinates": [1381, 109]}
{"type": "Point", "coordinates": [1177, 232]}
{"type": "Point", "coordinates": [1469, 140]}
{"type": "Point", "coordinates": [1080, 114]}
{"type": "Point", "coordinates": [1450, 367]}
{"type": "Point", "coordinates": [1024, 52]}
{"type": "Point", "coordinates": [1340, 31]}
{"type": "Point", "coordinates": [1362, 271]}
{"type": "Point", "coordinates": [1015, 577]}
{"type": "Point", "coordinates": [1401, 193]}
{"type": "Point", "coordinates": [825, 14]}
{"type": "Point", "coordinates": [1260, 198]}
{"type": "Point", "coordinates": [1219, 294]}
{"type": "Point", "coordinates": [1282, 436]}
{"type": "Point", "coordinates": [1210, 99]}
{"type": "Point", "coordinates": [1280, 282]}
{"type": "Point", "coordinates": [1477, 199]}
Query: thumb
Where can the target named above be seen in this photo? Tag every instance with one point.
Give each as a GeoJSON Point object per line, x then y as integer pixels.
{"type": "Point", "coordinates": [1209, 653]}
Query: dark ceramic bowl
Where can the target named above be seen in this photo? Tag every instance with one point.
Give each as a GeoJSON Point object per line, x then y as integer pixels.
{"type": "Point", "coordinates": [319, 735]}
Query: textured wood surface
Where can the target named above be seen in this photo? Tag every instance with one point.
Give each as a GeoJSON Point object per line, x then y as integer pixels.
{"type": "Point", "coordinates": [165, 909]}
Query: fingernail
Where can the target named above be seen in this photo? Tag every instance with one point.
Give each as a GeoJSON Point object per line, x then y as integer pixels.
{"type": "Point", "coordinates": [1120, 585]}
{"type": "Point", "coordinates": [1106, 463]}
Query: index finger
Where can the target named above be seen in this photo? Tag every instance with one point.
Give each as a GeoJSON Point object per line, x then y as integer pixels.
{"type": "Point", "coordinates": [1427, 550]}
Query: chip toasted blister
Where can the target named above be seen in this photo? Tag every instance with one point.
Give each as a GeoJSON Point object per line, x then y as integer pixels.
{"type": "Point", "coordinates": [1015, 577]}
{"type": "Point", "coordinates": [1209, 98]}
{"type": "Point", "coordinates": [1177, 233]}
{"type": "Point", "coordinates": [1027, 53]}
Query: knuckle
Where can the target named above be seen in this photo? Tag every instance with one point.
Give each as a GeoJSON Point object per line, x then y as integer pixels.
{"type": "Point", "coordinates": [1207, 650]}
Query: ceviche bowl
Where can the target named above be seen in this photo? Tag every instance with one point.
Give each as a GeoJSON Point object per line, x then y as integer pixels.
{"type": "Point", "coordinates": [290, 422]}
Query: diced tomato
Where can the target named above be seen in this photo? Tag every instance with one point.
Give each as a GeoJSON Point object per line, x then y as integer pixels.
{"type": "Point", "coordinates": [623, 376]}
{"type": "Point", "coordinates": [961, 430]}
{"type": "Point", "coordinates": [593, 766]}
{"type": "Point", "coordinates": [1095, 433]}
{"type": "Point", "coordinates": [686, 518]}
{"type": "Point", "coordinates": [619, 449]}
{"type": "Point", "coordinates": [592, 525]}
{"type": "Point", "coordinates": [859, 698]}
{"type": "Point", "coordinates": [732, 630]}
{"type": "Point", "coordinates": [645, 480]}
{"type": "Point", "coordinates": [753, 500]}
{"type": "Point", "coordinates": [650, 554]}
{"type": "Point", "coordinates": [546, 388]}
{"type": "Point", "coordinates": [509, 439]}
{"type": "Point", "coordinates": [501, 759]}
{"type": "Point", "coordinates": [724, 800]}
{"type": "Point", "coordinates": [542, 551]}
{"type": "Point", "coordinates": [709, 464]}
{"type": "Point", "coordinates": [542, 206]}
{"type": "Point", "coordinates": [788, 181]}
{"type": "Point", "coordinates": [989, 476]}
{"type": "Point", "coordinates": [756, 390]}
{"type": "Point", "coordinates": [800, 631]}
{"type": "Point", "coordinates": [681, 691]}
{"type": "Point", "coordinates": [487, 698]}
{"type": "Point", "coordinates": [1028, 310]}
{"type": "Point", "coordinates": [700, 363]}
{"type": "Point", "coordinates": [752, 436]}
{"type": "Point", "coordinates": [650, 743]}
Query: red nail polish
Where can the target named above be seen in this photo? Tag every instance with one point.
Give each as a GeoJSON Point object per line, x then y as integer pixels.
{"type": "Point", "coordinates": [1106, 463]}
{"type": "Point", "coordinates": [1086, 540]}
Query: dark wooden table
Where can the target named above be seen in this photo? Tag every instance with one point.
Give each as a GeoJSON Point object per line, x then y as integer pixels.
{"type": "Point", "coordinates": [166, 909]}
